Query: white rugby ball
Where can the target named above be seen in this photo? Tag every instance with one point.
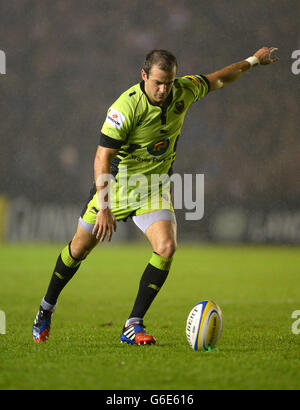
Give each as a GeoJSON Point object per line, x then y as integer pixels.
{"type": "Point", "coordinates": [204, 326]}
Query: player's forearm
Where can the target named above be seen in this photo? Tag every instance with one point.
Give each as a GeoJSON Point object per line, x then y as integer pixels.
{"type": "Point", "coordinates": [232, 72]}
{"type": "Point", "coordinates": [101, 167]}
{"type": "Point", "coordinates": [227, 75]}
{"type": "Point", "coordinates": [102, 175]}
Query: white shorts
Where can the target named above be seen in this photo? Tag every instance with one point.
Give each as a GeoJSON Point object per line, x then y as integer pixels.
{"type": "Point", "coordinates": [142, 221]}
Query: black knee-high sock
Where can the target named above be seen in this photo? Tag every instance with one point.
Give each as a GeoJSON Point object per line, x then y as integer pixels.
{"type": "Point", "coordinates": [152, 280]}
{"type": "Point", "coordinates": [65, 268]}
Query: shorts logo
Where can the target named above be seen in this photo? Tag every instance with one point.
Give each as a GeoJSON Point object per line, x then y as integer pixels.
{"type": "Point", "coordinates": [115, 118]}
{"type": "Point", "coordinates": [158, 148]}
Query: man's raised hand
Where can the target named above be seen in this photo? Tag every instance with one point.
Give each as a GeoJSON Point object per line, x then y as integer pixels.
{"type": "Point", "coordinates": [265, 57]}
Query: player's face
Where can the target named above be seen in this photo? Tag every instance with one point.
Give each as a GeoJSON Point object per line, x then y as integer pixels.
{"type": "Point", "coordinates": [159, 84]}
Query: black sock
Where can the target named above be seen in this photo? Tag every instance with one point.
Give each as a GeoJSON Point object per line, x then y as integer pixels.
{"type": "Point", "coordinates": [152, 280]}
{"type": "Point", "coordinates": [65, 268]}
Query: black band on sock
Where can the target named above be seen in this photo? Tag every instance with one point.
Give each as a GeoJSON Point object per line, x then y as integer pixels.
{"type": "Point", "coordinates": [61, 276]}
{"type": "Point", "coordinates": [150, 284]}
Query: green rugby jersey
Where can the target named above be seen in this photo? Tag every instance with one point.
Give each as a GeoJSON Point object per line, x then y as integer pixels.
{"type": "Point", "coordinates": [146, 134]}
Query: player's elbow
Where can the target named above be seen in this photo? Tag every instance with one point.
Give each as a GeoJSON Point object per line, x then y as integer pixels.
{"type": "Point", "coordinates": [215, 81]}
{"type": "Point", "coordinates": [104, 154]}
{"type": "Point", "coordinates": [217, 84]}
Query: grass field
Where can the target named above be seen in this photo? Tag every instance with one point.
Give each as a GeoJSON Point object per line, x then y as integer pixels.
{"type": "Point", "coordinates": [256, 287]}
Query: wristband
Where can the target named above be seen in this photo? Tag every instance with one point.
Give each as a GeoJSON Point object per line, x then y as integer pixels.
{"type": "Point", "coordinates": [253, 61]}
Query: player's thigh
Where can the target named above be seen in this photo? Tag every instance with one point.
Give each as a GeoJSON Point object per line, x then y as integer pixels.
{"type": "Point", "coordinates": [82, 243]}
{"type": "Point", "coordinates": [162, 236]}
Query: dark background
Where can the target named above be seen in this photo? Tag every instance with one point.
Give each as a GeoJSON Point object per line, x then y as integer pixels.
{"type": "Point", "coordinates": [67, 61]}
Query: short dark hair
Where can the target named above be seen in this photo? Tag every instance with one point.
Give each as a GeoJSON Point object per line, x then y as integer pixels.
{"type": "Point", "coordinates": [164, 59]}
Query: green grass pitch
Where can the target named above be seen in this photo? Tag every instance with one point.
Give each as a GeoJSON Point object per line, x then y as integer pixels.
{"type": "Point", "coordinates": [256, 287]}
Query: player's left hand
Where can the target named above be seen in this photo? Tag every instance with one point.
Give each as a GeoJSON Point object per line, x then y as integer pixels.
{"type": "Point", "coordinates": [265, 57]}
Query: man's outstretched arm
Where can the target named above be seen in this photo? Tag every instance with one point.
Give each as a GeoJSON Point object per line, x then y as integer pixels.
{"type": "Point", "coordinates": [227, 75]}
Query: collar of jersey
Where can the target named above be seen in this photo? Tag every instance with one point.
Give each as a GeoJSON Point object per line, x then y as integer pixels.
{"type": "Point", "coordinates": [168, 101]}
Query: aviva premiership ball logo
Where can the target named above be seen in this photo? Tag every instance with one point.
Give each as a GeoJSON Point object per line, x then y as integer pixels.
{"type": "Point", "coordinates": [159, 147]}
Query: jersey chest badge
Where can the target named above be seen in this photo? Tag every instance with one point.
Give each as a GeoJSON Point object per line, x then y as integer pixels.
{"type": "Point", "coordinates": [158, 148]}
{"type": "Point", "coordinates": [179, 107]}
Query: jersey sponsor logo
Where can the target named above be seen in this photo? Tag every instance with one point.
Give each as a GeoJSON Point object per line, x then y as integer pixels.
{"type": "Point", "coordinates": [153, 160]}
{"type": "Point", "coordinates": [115, 118]}
{"type": "Point", "coordinates": [159, 147]}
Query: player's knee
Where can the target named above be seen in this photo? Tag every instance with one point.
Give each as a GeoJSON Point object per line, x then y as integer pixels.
{"type": "Point", "coordinates": [82, 244]}
{"type": "Point", "coordinates": [166, 248]}
{"type": "Point", "coordinates": [79, 250]}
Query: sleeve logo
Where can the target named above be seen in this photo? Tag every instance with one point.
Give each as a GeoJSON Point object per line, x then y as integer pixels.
{"type": "Point", "coordinates": [115, 118]}
{"type": "Point", "coordinates": [194, 78]}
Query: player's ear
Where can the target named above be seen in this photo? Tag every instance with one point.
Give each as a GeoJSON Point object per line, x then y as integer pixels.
{"type": "Point", "coordinates": [144, 74]}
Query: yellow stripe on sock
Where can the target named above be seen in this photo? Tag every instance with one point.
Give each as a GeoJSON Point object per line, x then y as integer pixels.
{"type": "Point", "coordinates": [153, 286]}
{"type": "Point", "coordinates": [160, 262]}
{"type": "Point", "coordinates": [67, 258]}
{"type": "Point", "coordinates": [58, 275]}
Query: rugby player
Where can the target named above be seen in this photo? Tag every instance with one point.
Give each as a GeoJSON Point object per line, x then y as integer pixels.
{"type": "Point", "coordinates": [139, 136]}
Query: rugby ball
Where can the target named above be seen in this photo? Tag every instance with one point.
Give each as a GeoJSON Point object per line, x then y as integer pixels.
{"type": "Point", "coordinates": [204, 326]}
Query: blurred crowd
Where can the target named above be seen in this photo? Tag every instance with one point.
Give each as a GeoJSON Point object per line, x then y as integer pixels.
{"type": "Point", "coordinates": [67, 61]}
